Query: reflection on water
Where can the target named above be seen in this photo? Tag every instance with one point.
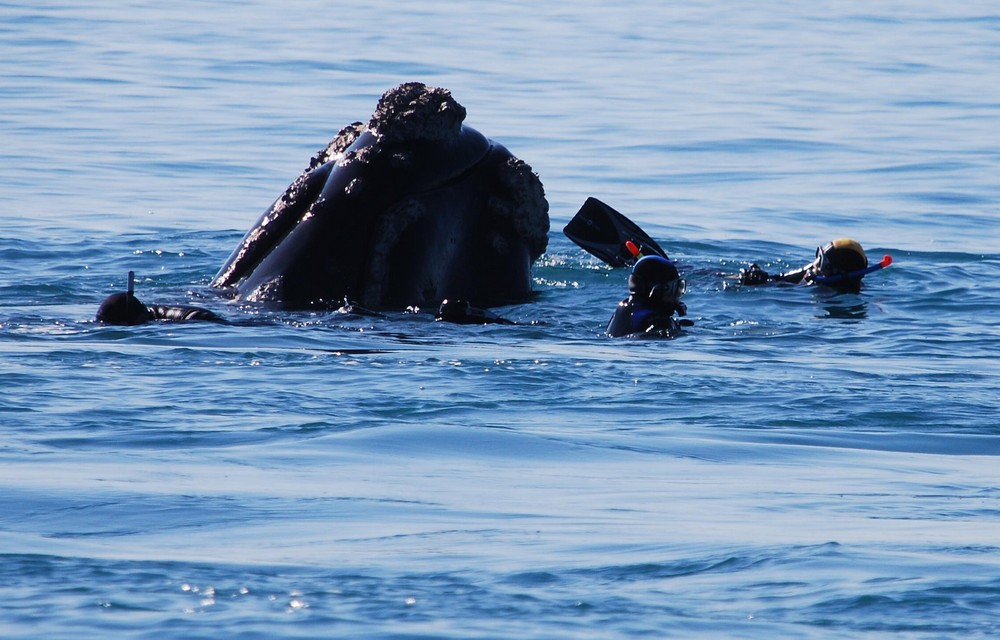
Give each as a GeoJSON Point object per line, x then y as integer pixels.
{"type": "Point", "coordinates": [844, 306]}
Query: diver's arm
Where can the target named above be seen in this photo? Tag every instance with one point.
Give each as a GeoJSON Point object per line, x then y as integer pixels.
{"type": "Point", "coordinates": [182, 312]}
{"type": "Point", "coordinates": [755, 275]}
{"type": "Point", "coordinates": [795, 277]}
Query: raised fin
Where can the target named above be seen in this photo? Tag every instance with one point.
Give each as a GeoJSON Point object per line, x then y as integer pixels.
{"type": "Point", "coordinates": [605, 233]}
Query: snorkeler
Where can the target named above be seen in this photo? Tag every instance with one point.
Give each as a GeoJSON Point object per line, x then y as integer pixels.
{"type": "Point", "coordinates": [840, 264]}
{"type": "Point", "coordinates": [655, 289]}
{"type": "Point", "coordinates": [125, 309]}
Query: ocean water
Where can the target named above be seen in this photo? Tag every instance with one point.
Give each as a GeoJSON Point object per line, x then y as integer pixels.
{"type": "Point", "coordinates": [799, 464]}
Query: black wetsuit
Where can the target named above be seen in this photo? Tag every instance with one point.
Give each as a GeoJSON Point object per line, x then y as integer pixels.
{"type": "Point", "coordinates": [125, 309]}
{"type": "Point", "coordinates": [632, 317]}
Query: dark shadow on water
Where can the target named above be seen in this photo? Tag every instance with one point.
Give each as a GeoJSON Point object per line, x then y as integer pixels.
{"type": "Point", "coordinates": [841, 306]}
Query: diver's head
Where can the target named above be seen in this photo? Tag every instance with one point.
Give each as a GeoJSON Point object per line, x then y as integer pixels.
{"type": "Point", "coordinates": [123, 309]}
{"type": "Point", "coordinates": [840, 264]}
{"type": "Point", "coordinates": [655, 282]}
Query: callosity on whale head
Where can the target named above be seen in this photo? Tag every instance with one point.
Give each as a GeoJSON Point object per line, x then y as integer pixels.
{"type": "Point", "coordinates": [410, 209]}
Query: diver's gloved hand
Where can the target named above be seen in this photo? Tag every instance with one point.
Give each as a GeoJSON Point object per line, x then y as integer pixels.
{"type": "Point", "coordinates": [753, 275]}
{"type": "Point", "coordinates": [461, 312]}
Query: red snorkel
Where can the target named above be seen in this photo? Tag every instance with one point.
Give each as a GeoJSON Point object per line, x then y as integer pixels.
{"type": "Point", "coordinates": [634, 249]}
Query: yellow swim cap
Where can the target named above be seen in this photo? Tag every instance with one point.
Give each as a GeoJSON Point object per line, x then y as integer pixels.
{"type": "Point", "coordinates": [843, 255]}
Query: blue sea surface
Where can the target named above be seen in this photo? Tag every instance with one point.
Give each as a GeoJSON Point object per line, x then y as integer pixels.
{"type": "Point", "coordinates": [798, 464]}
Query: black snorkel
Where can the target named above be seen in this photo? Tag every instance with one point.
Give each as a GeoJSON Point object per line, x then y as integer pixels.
{"type": "Point", "coordinates": [130, 293]}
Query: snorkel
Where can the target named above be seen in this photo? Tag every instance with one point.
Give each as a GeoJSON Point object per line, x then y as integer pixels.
{"type": "Point", "coordinates": [130, 296]}
{"type": "Point", "coordinates": [860, 273]}
{"type": "Point", "coordinates": [634, 249]}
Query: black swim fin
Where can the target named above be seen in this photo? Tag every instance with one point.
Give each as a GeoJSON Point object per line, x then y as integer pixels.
{"type": "Point", "coordinates": [604, 232]}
